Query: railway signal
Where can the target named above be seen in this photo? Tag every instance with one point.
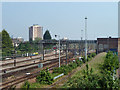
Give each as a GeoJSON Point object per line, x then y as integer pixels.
{"type": "Point", "coordinates": [54, 48]}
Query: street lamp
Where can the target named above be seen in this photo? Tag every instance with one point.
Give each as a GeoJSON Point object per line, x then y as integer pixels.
{"type": "Point", "coordinates": [81, 35]}
{"type": "Point", "coordinates": [81, 42]}
{"type": "Point", "coordinates": [59, 47]}
{"type": "Point", "coordinates": [86, 38]}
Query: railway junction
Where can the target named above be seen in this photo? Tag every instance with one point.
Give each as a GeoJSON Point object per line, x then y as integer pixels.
{"type": "Point", "coordinates": [17, 70]}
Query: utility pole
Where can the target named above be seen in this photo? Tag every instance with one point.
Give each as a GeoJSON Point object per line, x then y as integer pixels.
{"type": "Point", "coordinates": [43, 51]}
{"type": "Point", "coordinates": [79, 48]}
{"type": "Point", "coordinates": [59, 48]}
{"type": "Point", "coordinates": [66, 52]}
{"type": "Point", "coordinates": [86, 38]}
{"type": "Point", "coordinates": [108, 42]}
{"type": "Point", "coordinates": [94, 43]}
{"type": "Point", "coordinates": [59, 51]}
{"type": "Point", "coordinates": [81, 35]}
{"type": "Point", "coordinates": [82, 42]}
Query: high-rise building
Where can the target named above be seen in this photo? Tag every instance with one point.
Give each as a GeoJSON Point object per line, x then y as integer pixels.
{"type": "Point", "coordinates": [35, 31]}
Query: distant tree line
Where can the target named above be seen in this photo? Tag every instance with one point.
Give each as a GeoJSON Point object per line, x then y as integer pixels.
{"type": "Point", "coordinates": [30, 46]}
{"type": "Point", "coordinates": [7, 48]}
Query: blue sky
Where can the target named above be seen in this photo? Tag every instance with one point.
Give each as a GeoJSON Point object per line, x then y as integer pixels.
{"type": "Point", "coordinates": [63, 18]}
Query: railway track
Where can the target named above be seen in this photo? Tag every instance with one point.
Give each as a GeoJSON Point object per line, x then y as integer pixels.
{"type": "Point", "coordinates": [26, 60]}
{"type": "Point", "coordinates": [8, 84]}
{"type": "Point", "coordinates": [21, 79]}
{"type": "Point", "coordinates": [33, 65]}
{"type": "Point", "coordinates": [22, 57]}
{"type": "Point", "coordinates": [26, 64]}
{"type": "Point", "coordinates": [22, 66]}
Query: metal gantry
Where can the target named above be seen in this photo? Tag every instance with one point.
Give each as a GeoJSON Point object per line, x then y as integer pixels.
{"type": "Point", "coordinates": [72, 43]}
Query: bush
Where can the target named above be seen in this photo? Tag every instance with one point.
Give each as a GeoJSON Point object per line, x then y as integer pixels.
{"type": "Point", "coordinates": [26, 85]}
{"type": "Point", "coordinates": [84, 60]}
{"type": "Point", "coordinates": [90, 56]}
{"type": "Point", "coordinates": [56, 70]}
{"type": "Point", "coordinates": [78, 62]}
{"type": "Point", "coordinates": [62, 69]}
{"type": "Point", "coordinates": [73, 65]}
{"type": "Point", "coordinates": [65, 68]}
{"type": "Point", "coordinates": [111, 62]}
{"type": "Point", "coordinates": [88, 59]}
{"type": "Point", "coordinates": [93, 54]}
{"type": "Point", "coordinates": [44, 77]}
{"type": "Point", "coordinates": [89, 82]}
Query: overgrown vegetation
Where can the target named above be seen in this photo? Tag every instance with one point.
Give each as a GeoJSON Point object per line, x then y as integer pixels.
{"type": "Point", "coordinates": [26, 86]}
{"type": "Point", "coordinates": [89, 57]}
{"type": "Point", "coordinates": [65, 68]}
{"type": "Point", "coordinates": [68, 68]}
{"type": "Point", "coordinates": [44, 77]}
{"type": "Point", "coordinates": [106, 79]}
{"type": "Point", "coordinates": [85, 80]}
{"type": "Point", "coordinates": [111, 63]}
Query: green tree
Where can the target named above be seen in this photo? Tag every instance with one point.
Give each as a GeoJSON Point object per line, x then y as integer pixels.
{"type": "Point", "coordinates": [25, 47]}
{"type": "Point", "coordinates": [47, 35]}
{"type": "Point", "coordinates": [44, 77]}
{"type": "Point", "coordinates": [7, 45]}
{"type": "Point", "coordinates": [37, 40]}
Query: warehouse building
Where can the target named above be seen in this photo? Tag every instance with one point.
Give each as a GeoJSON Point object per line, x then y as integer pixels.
{"type": "Point", "coordinates": [106, 44]}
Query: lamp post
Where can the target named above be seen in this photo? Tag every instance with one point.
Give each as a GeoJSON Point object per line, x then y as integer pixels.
{"type": "Point", "coordinates": [86, 38]}
{"type": "Point", "coordinates": [59, 47]}
{"type": "Point", "coordinates": [81, 42]}
{"type": "Point", "coordinates": [81, 35]}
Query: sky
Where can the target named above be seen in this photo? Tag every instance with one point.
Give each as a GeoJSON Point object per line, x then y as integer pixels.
{"type": "Point", "coordinates": [66, 19]}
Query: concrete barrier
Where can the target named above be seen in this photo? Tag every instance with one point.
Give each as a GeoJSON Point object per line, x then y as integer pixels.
{"type": "Point", "coordinates": [58, 76]}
